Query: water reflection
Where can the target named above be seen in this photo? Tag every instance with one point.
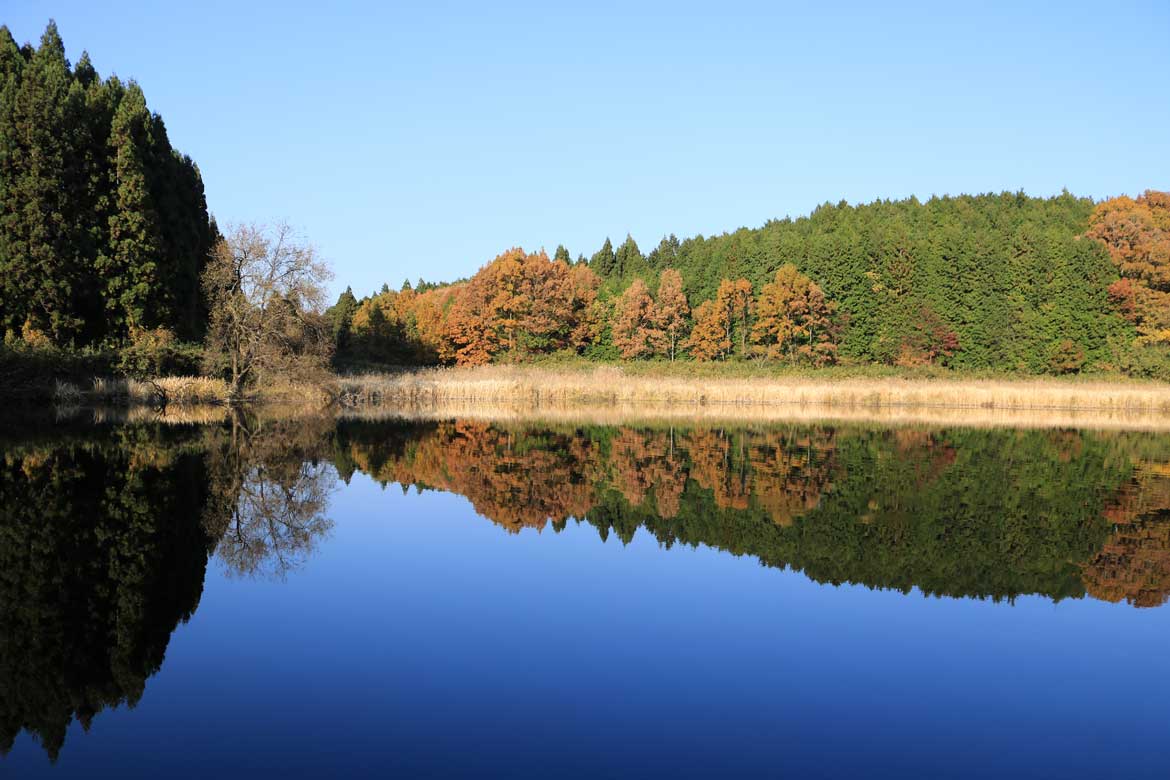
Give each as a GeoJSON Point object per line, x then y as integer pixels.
{"type": "Point", "coordinates": [269, 490]}
{"type": "Point", "coordinates": [106, 533]}
{"type": "Point", "coordinates": [105, 537]}
{"type": "Point", "coordinates": [961, 512]}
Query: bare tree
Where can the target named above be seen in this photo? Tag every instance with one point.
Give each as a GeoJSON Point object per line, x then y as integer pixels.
{"type": "Point", "coordinates": [266, 294]}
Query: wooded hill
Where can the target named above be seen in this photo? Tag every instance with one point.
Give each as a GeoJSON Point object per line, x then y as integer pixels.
{"type": "Point", "coordinates": [104, 227]}
{"type": "Point", "coordinates": [1000, 282]}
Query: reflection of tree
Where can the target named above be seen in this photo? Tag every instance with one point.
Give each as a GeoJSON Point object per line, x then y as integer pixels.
{"type": "Point", "coordinates": [987, 513]}
{"type": "Point", "coordinates": [270, 490]}
{"type": "Point", "coordinates": [101, 555]}
{"type": "Point", "coordinates": [1134, 563]}
{"type": "Point", "coordinates": [104, 541]}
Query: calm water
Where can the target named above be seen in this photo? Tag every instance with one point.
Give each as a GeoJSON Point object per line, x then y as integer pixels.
{"type": "Point", "coordinates": [310, 598]}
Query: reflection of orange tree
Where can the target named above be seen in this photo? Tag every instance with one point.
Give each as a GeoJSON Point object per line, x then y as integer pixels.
{"type": "Point", "coordinates": [516, 479]}
{"type": "Point", "coordinates": [1134, 563]}
{"type": "Point", "coordinates": [962, 512]}
{"type": "Point", "coordinates": [785, 473]}
{"type": "Point", "coordinates": [644, 462]}
{"type": "Point", "coordinates": [523, 478]}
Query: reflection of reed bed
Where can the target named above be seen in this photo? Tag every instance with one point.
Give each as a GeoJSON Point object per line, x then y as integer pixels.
{"type": "Point", "coordinates": [651, 414]}
{"type": "Point", "coordinates": [781, 397]}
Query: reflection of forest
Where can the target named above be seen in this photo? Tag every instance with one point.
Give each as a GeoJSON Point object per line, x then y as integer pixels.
{"type": "Point", "coordinates": [105, 536]}
{"type": "Point", "coordinates": [961, 512]}
{"type": "Point", "coordinates": [106, 533]}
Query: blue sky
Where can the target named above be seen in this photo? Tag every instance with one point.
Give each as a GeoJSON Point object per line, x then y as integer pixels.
{"type": "Point", "coordinates": [424, 139]}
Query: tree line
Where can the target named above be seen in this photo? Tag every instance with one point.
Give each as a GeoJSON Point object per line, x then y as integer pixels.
{"type": "Point", "coordinates": [104, 229]}
{"type": "Point", "coordinates": [997, 282]}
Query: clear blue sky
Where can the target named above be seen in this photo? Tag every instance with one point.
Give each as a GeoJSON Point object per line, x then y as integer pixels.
{"type": "Point", "coordinates": [424, 140]}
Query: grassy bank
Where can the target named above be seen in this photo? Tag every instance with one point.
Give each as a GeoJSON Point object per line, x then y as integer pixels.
{"type": "Point", "coordinates": [682, 387]}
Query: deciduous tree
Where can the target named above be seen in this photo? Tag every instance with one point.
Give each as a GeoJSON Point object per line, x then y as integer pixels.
{"type": "Point", "coordinates": [634, 327]}
{"type": "Point", "coordinates": [671, 313]}
{"type": "Point", "coordinates": [266, 296]}
{"type": "Point", "coordinates": [709, 339]}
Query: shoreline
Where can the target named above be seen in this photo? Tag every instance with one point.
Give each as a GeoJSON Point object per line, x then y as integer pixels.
{"type": "Point", "coordinates": [612, 395]}
{"type": "Point", "coordinates": [610, 386]}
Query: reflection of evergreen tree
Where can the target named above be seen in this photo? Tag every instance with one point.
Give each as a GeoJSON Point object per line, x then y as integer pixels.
{"type": "Point", "coordinates": [966, 512]}
{"type": "Point", "coordinates": [102, 554]}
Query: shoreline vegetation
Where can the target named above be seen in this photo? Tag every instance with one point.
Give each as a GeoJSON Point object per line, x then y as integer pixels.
{"type": "Point", "coordinates": [112, 266]}
{"type": "Point", "coordinates": [663, 392]}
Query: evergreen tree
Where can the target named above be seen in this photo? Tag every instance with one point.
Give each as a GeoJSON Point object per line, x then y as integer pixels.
{"type": "Point", "coordinates": [135, 294]}
{"type": "Point", "coordinates": [103, 226]}
{"type": "Point", "coordinates": [604, 262]}
{"type": "Point", "coordinates": [40, 267]}
{"type": "Point", "coordinates": [628, 260]}
{"type": "Point", "coordinates": [562, 255]}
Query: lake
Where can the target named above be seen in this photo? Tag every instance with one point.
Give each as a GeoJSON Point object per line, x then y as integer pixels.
{"type": "Point", "coordinates": [357, 597]}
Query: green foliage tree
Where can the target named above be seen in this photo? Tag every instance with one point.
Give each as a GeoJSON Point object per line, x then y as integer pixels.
{"type": "Point", "coordinates": [604, 262]}
{"type": "Point", "coordinates": [104, 228]}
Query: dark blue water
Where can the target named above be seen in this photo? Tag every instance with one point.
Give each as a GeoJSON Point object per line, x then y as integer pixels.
{"type": "Point", "coordinates": [405, 633]}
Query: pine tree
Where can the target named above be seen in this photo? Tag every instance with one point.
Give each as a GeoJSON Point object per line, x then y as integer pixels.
{"type": "Point", "coordinates": [562, 255]}
{"type": "Point", "coordinates": [628, 260]}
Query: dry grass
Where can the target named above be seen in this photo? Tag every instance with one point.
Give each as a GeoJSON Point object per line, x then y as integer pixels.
{"type": "Point", "coordinates": [181, 390]}
{"type": "Point", "coordinates": [611, 386]}
{"type": "Point", "coordinates": [609, 394]}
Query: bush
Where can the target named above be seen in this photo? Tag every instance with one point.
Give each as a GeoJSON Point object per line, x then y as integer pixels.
{"type": "Point", "coordinates": [154, 353]}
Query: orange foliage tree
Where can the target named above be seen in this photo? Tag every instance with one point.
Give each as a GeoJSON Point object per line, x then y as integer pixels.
{"type": "Point", "coordinates": [710, 337]}
{"type": "Point", "coordinates": [736, 298]}
{"type": "Point", "coordinates": [1136, 232]}
{"type": "Point", "coordinates": [670, 314]}
{"type": "Point", "coordinates": [633, 326]}
{"type": "Point", "coordinates": [794, 319]}
{"type": "Point", "coordinates": [520, 304]}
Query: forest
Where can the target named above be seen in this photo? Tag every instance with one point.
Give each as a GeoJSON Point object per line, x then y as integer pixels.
{"type": "Point", "coordinates": [106, 242]}
{"type": "Point", "coordinates": [104, 228]}
{"type": "Point", "coordinates": [1005, 283]}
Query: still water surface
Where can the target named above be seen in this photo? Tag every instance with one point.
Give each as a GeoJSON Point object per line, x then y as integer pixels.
{"type": "Point", "coordinates": [312, 597]}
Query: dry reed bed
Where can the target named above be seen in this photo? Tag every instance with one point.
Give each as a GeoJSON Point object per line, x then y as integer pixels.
{"type": "Point", "coordinates": [611, 387]}
{"type": "Point", "coordinates": [175, 389]}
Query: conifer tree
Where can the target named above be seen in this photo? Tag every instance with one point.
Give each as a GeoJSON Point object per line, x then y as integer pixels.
{"type": "Point", "coordinates": [628, 259]}
{"type": "Point", "coordinates": [40, 266]}
{"type": "Point", "coordinates": [603, 261]}
{"type": "Point", "coordinates": [131, 268]}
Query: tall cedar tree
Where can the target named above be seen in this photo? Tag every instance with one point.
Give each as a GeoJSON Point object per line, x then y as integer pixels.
{"type": "Point", "coordinates": [103, 226]}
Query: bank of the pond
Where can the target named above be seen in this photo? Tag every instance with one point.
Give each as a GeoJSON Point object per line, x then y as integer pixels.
{"type": "Point", "coordinates": [675, 387]}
